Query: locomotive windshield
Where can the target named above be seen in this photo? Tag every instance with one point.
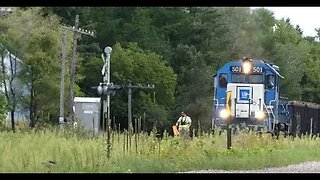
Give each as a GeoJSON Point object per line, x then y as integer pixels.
{"type": "Point", "coordinates": [238, 78]}
{"type": "Point", "coordinates": [242, 78]}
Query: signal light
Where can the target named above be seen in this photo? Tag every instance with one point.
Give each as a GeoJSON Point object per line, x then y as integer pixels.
{"type": "Point", "coordinates": [247, 65]}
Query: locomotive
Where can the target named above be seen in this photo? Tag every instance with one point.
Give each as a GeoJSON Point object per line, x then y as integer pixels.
{"type": "Point", "coordinates": [254, 100]}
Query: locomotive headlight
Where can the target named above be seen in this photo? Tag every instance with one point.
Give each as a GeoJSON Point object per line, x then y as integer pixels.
{"type": "Point", "coordinates": [224, 114]}
{"type": "Point", "coordinates": [259, 115]}
{"type": "Point", "coordinates": [247, 67]}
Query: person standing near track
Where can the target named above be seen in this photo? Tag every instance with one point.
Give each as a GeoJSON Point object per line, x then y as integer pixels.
{"type": "Point", "coordinates": [183, 124]}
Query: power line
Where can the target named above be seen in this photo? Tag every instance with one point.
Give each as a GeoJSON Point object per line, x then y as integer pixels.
{"type": "Point", "coordinates": [105, 89]}
{"type": "Point", "coordinates": [130, 89]}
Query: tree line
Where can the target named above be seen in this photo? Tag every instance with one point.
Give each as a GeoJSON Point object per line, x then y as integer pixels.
{"type": "Point", "coordinates": [178, 49]}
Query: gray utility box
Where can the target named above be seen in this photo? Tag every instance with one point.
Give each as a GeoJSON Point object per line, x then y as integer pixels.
{"type": "Point", "coordinates": [87, 112]}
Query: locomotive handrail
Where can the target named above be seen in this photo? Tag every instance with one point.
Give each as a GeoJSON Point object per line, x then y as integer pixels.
{"type": "Point", "coordinates": [266, 107]}
{"type": "Point", "coordinates": [271, 101]}
{"type": "Point", "coordinates": [218, 101]}
{"type": "Point", "coordinates": [214, 99]}
{"type": "Point", "coordinates": [222, 98]}
{"type": "Point", "coordinates": [270, 111]}
{"type": "Point", "coordinates": [217, 105]}
{"type": "Point", "coordinates": [275, 120]}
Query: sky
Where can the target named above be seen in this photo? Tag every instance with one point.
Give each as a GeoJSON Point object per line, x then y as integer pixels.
{"type": "Point", "coordinates": [306, 17]}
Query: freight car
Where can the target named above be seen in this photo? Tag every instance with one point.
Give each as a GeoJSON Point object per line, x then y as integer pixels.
{"type": "Point", "coordinates": [304, 118]}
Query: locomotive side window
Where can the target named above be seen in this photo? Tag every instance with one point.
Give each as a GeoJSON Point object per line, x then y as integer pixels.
{"type": "Point", "coordinates": [270, 81]}
{"type": "Point", "coordinates": [223, 80]}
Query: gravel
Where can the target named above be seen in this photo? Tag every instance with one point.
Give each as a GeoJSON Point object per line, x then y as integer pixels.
{"type": "Point", "coordinates": [306, 167]}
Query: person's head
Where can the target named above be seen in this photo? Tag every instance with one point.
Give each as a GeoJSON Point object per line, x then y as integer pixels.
{"type": "Point", "coordinates": [183, 113]}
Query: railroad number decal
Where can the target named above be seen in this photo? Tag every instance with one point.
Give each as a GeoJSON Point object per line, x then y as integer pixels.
{"type": "Point", "coordinates": [238, 69]}
{"type": "Point", "coordinates": [257, 69]}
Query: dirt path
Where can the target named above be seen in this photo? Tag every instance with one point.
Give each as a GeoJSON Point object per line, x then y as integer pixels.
{"type": "Point", "coordinates": [306, 167]}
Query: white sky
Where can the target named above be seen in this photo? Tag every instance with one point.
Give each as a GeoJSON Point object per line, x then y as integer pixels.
{"type": "Point", "coordinates": [306, 17]}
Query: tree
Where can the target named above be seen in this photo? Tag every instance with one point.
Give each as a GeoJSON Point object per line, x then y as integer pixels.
{"type": "Point", "coordinates": [299, 30]}
{"type": "Point", "coordinates": [3, 109]}
{"type": "Point", "coordinates": [291, 54]}
{"type": "Point", "coordinates": [132, 64]}
{"type": "Point", "coordinates": [250, 32]}
{"type": "Point", "coordinates": [92, 76]}
{"type": "Point", "coordinates": [9, 81]}
{"type": "Point", "coordinates": [9, 67]}
{"type": "Point", "coordinates": [37, 44]}
{"type": "Point", "coordinates": [311, 79]}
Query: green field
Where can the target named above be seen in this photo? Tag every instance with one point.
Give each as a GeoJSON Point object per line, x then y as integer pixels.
{"type": "Point", "coordinates": [73, 150]}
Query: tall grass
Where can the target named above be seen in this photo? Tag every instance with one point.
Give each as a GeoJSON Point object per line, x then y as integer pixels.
{"type": "Point", "coordinates": [75, 150]}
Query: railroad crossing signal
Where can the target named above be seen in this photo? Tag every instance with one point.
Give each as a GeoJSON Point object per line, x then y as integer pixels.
{"type": "Point", "coordinates": [106, 88]}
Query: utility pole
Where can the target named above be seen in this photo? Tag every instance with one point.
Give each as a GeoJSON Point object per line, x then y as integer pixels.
{"type": "Point", "coordinates": [130, 89]}
{"type": "Point", "coordinates": [75, 30]}
{"type": "Point", "coordinates": [129, 107]}
{"type": "Point", "coordinates": [72, 69]}
{"type": "Point", "coordinates": [63, 62]}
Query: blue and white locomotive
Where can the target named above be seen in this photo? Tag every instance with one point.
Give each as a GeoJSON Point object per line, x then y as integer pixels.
{"type": "Point", "coordinates": [254, 99]}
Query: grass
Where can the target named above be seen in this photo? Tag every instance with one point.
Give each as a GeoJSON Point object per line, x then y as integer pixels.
{"type": "Point", "coordinates": [73, 150]}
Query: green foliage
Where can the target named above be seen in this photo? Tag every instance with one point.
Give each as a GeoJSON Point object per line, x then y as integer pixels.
{"type": "Point", "coordinates": [37, 44]}
{"type": "Point", "coordinates": [92, 71]}
{"type": "Point", "coordinates": [291, 53]}
{"type": "Point", "coordinates": [291, 60]}
{"type": "Point", "coordinates": [311, 79]}
{"type": "Point", "coordinates": [286, 33]}
{"type": "Point", "coordinates": [134, 65]}
{"type": "Point", "coordinates": [198, 103]}
{"type": "Point", "coordinates": [250, 32]}
{"type": "Point", "coordinates": [3, 110]}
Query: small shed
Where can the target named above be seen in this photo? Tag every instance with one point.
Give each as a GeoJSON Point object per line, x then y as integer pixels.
{"type": "Point", "coordinates": [87, 112]}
